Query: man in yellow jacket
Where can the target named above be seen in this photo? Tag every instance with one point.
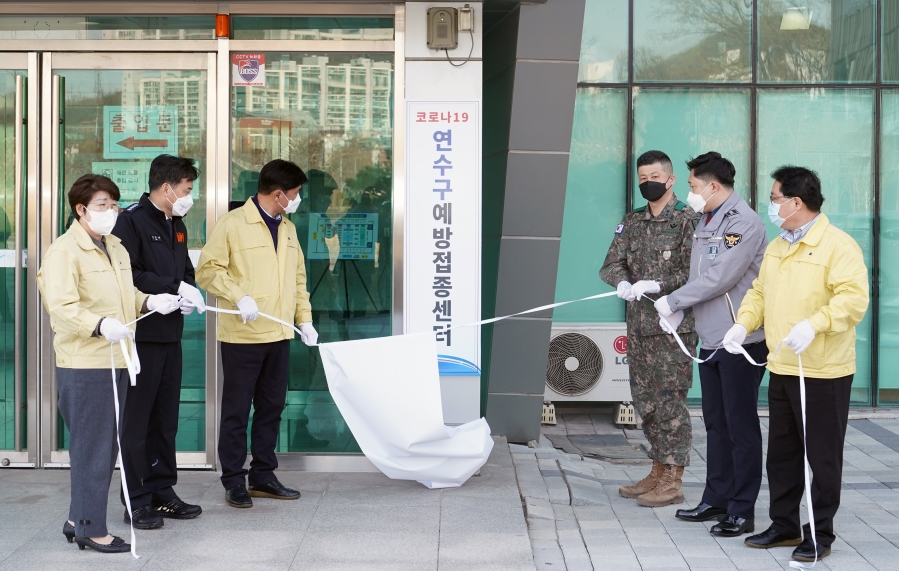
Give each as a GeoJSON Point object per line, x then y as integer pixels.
{"type": "Point", "coordinates": [812, 291]}
{"type": "Point", "coordinates": [253, 263]}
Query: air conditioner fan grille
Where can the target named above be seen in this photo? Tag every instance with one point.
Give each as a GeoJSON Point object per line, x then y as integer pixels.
{"type": "Point", "coordinates": [574, 364]}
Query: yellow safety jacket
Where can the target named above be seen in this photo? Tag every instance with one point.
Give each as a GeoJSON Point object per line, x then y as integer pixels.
{"type": "Point", "coordinates": [822, 278]}
{"type": "Point", "coordinates": [239, 259]}
{"type": "Point", "coordinates": [79, 285]}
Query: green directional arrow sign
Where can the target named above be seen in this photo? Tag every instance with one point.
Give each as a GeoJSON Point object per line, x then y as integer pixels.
{"type": "Point", "coordinates": [139, 132]}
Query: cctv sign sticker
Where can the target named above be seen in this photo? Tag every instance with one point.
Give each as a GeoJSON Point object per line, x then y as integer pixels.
{"type": "Point", "coordinates": [248, 70]}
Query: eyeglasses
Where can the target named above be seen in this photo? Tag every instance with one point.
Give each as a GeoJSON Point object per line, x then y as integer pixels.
{"type": "Point", "coordinates": [104, 205]}
{"type": "Point", "coordinates": [772, 199]}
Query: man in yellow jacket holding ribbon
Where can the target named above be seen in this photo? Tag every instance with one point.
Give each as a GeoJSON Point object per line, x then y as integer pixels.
{"type": "Point", "coordinates": [812, 291]}
{"type": "Point", "coordinates": [253, 263]}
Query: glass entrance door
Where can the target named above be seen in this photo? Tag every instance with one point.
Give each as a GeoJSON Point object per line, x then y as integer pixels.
{"type": "Point", "coordinates": [17, 396]}
{"type": "Point", "coordinates": [112, 114]}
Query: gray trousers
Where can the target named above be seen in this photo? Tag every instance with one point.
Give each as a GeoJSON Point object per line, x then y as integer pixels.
{"type": "Point", "coordinates": [87, 406]}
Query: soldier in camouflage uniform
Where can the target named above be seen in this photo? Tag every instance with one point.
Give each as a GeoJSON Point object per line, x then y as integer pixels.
{"type": "Point", "coordinates": [651, 253]}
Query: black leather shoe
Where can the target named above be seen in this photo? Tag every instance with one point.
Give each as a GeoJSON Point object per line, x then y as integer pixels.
{"type": "Point", "coordinates": [69, 532]}
{"type": "Point", "coordinates": [771, 538]}
{"type": "Point", "coordinates": [805, 551]}
{"type": "Point", "coordinates": [117, 545]}
{"type": "Point", "coordinates": [274, 490]}
{"type": "Point", "coordinates": [237, 497]}
{"type": "Point", "coordinates": [703, 512]}
{"type": "Point", "coordinates": [732, 526]}
{"type": "Point", "coordinates": [144, 518]}
{"type": "Point", "coordinates": [176, 509]}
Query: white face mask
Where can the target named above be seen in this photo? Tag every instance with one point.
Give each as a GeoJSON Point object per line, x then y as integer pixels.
{"type": "Point", "coordinates": [181, 205]}
{"type": "Point", "coordinates": [102, 222]}
{"type": "Point", "coordinates": [775, 214]}
{"type": "Point", "coordinates": [696, 201]}
{"type": "Point", "coordinates": [292, 205]}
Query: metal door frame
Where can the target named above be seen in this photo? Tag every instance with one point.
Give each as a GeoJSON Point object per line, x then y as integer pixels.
{"type": "Point", "coordinates": [50, 456]}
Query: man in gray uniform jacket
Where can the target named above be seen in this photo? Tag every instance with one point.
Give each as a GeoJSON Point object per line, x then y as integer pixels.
{"type": "Point", "coordinates": [727, 251]}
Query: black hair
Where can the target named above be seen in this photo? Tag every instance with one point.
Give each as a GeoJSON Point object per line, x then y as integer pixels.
{"type": "Point", "coordinates": [84, 189]}
{"type": "Point", "coordinates": [172, 170]}
{"type": "Point", "coordinates": [712, 166]}
{"type": "Point", "coordinates": [653, 157]}
{"type": "Point", "coordinates": [279, 175]}
{"type": "Point", "coordinates": [802, 183]}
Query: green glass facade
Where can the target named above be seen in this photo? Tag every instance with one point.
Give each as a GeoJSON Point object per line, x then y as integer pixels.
{"type": "Point", "coordinates": [766, 84]}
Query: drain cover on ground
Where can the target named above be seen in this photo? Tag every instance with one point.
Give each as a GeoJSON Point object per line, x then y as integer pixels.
{"type": "Point", "coordinates": [602, 446]}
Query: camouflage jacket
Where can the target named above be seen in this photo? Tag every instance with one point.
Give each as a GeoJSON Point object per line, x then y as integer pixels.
{"type": "Point", "coordinates": [647, 247]}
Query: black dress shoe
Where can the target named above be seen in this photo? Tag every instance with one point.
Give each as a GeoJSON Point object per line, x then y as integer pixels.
{"type": "Point", "coordinates": [237, 497]}
{"type": "Point", "coordinates": [805, 551]}
{"type": "Point", "coordinates": [732, 526]}
{"type": "Point", "coordinates": [117, 545]}
{"type": "Point", "coordinates": [274, 490]}
{"type": "Point", "coordinates": [703, 512]}
{"type": "Point", "coordinates": [144, 518]}
{"type": "Point", "coordinates": [176, 509]}
{"type": "Point", "coordinates": [771, 538]}
{"type": "Point", "coordinates": [69, 532]}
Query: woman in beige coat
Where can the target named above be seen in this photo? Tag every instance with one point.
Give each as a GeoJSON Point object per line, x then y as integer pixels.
{"type": "Point", "coordinates": [86, 287]}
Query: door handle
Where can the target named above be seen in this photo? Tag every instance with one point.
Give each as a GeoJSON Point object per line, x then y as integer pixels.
{"type": "Point", "coordinates": [19, 189]}
{"type": "Point", "coordinates": [55, 121]}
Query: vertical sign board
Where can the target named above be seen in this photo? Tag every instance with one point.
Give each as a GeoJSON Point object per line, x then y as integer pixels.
{"type": "Point", "coordinates": [443, 244]}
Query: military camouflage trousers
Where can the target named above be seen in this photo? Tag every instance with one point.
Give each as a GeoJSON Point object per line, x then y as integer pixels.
{"type": "Point", "coordinates": [661, 375]}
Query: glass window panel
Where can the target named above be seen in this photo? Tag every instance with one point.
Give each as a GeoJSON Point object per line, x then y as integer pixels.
{"type": "Point", "coordinates": [686, 122]}
{"type": "Point", "coordinates": [692, 40]}
{"type": "Point", "coordinates": [311, 112]}
{"type": "Point", "coordinates": [107, 28]}
{"type": "Point", "coordinates": [823, 41]}
{"type": "Point", "coordinates": [890, 47]}
{"type": "Point", "coordinates": [161, 104]}
{"type": "Point", "coordinates": [604, 42]}
{"type": "Point", "coordinates": [829, 131]}
{"type": "Point", "coordinates": [595, 204]}
{"type": "Point", "coordinates": [311, 28]}
{"type": "Point", "coordinates": [889, 246]}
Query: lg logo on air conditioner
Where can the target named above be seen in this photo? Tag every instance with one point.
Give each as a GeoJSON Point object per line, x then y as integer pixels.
{"type": "Point", "coordinates": [621, 347]}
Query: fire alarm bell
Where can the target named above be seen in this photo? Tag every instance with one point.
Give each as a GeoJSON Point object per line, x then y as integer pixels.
{"type": "Point", "coordinates": [442, 29]}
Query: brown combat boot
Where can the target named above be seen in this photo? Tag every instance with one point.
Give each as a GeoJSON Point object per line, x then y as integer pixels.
{"type": "Point", "coordinates": [667, 490]}
{"type": "Point", "coordinates": [644, 485]}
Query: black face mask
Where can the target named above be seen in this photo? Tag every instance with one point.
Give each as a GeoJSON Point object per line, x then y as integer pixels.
{"type": "Point", "coordinates": [652, 190]}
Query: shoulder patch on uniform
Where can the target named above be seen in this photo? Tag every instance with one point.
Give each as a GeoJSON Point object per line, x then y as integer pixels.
{"type": "Point", "coordinates": [619, 228]}
{"type": "Point", "coordinates": [732, 212]}
{"type": "Point", "coordinates": [133, 207]}
{"type": "Point", "coordinates": [732, 239]}
{"type": "Point", "coordinates": [680, 205]}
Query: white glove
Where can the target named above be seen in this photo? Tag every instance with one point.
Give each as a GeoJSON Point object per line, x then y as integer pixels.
{"type": "Point", "coordinates": [800, 336]}
{"type": "Point", "coordinates": [734, 338]}
{"type": "Point", "coordinates": [114, 330]}
{"type": "Point", "coordinates": [163, 303]}
{"type": "Point", "coordinates": [308, 334]}
{"type": "Point", "coordinates": [623, 290]}
{"type": "Point", "coordinates": [644, 287]}
{"type": "Point", "coordinates": [670, 323]}
{"type": "Point", "coordinates": [248, 308]}
{"type": "Point", "coordinates": [662, 306]}
{"type": "Point", "coordinates": [191, 298]}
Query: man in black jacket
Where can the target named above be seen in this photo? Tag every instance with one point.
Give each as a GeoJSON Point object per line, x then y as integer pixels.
{"type": "Point", "coordinates": [156, 239]}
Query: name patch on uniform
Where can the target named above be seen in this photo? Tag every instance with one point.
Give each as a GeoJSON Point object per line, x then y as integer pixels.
{"type": "Point", "coordinates": [156, 238]}
{"type": "Point", "coordinates": [620, 228]}
{"type": "Point", "coordinates": [711, 251]}
{"type": "Point", "coordinates": [732, 239]}
{"type": "Point", "coordinates": [672, 228]}
{"type": "Point", "coordinates": [180, 237]}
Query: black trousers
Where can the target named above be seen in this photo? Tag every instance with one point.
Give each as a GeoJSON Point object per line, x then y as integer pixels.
{"type": "Point", "coordinates": [733, 438]}
{"type": "Point", "coordinates": [827, 407]}
{"type": "Point", "coordinates": [150, 423]}
{"type": "Point", "coordinates": [257, 374]}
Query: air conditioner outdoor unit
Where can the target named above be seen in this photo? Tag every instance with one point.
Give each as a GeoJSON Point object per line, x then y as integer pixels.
{"type": "Point", "coordinates": [588, 362]}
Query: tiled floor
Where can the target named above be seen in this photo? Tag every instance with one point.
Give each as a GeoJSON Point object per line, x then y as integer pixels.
{"type": "Point", "coordinates": [577, 520]}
